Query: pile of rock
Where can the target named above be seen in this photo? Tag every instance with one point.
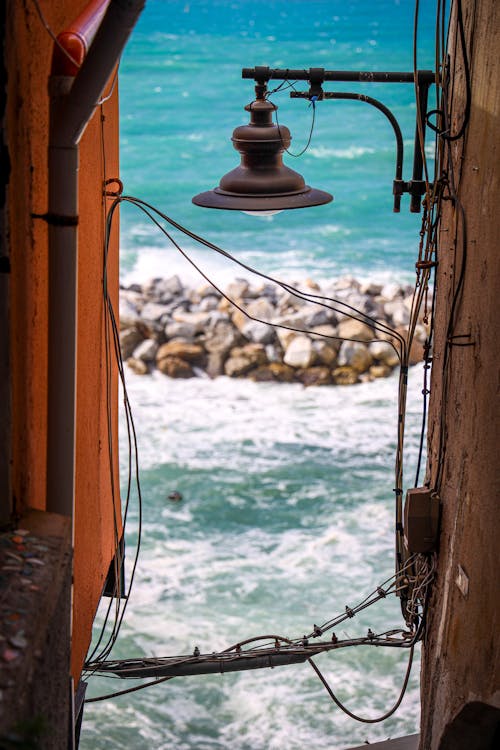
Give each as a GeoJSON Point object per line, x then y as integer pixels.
{"type": "Point", "coordinates": [186, 332]}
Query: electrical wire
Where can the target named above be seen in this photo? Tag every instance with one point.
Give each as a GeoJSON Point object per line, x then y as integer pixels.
{"type": "Point", "coordinates": [278, 646]}
{"type": "Point", "coordinates": [96, 661]}
{"type": "Point", "coordinates": [133, 461]}
{"type": "Point", "coordinates": [311, 131]}
{"type": "Point", "coordinates": [363, 719]}
{"type": "Point", "coordinates": [111, 91]}
{"type": "Point", "coordinates": [335, 305]}
{"type": "Point", "coordinates": [468, 93]}
{"type": "Point", "coordinates": [127, 690]}
{"type": "Point", "coordinates": [418, 571]}
{"type": "Point", "coordinates": [451, 182]}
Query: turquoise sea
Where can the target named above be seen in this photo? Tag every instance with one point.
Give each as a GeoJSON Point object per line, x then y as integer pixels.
{"type": "Point", "coordinates": [287, 513]}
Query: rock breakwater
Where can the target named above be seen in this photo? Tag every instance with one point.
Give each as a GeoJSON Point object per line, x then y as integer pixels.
{"type": "Point", "coordinates": [187, 332]}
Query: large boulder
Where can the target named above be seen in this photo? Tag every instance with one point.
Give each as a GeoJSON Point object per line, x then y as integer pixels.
{"type": "Point", "coordinates": [255, 353]}
{"type": "Point", "coordinates": [259, 333]}
{"type": "Point", "coordinates": [327, 332]}
{"type": "Point", "coordinates": [207, 290]}
{"type": "Point", "coordinates": [137, 366]}
{"type": "Point", "coordinates": [384, 352]}
{"type": "Point", "coordinates": [180, 349]}
{"type": "Point", "coordinates": [300, 352]}
{"type": "Point", "coordinates": [222, 337]}
{"type": "Point", "coordinates": [276, 372]}
{"type": "Point", "coordinates": [185, 331]}
{"type": "Point", "coordinates": [238, 289]}
{"type": "Point", "coordinates": [265, 289]}
{"type": "Point", "coordinates": [391, 291]}
{"type": "Point", "coordinates": [285, 336]}
{"type": "Point", "coordinates": [215, 364]}
{"type": "Point", "coordinates": [315, 376]}
{"type": "Point", "coordinates": [236, 366]}
{"type": "Point", "coordinates": [129, 313]}
{"type": "Point", "coordinates": [274, 353]}
{"type": "Point", "coordinates": [155, 312]}
{"type": "Point", "coordinates": [326, 351]}
{"type": "Point", "coordinates": [201, 321]}
{"type": "Point", "coordinates": [164, 290]}
{"type": "Point", "coordinates": [130, 338]}
{"type": "Point", "coordinates": [355, 355]}
{"type": "Point", "coordinates": [261, 308]}
{"type": "Point", "coordinates": [379, 371]}
{"type": "Point", "coordinates": [345, 376]}
{"type": "Point", "coordinates": [146, 351]}
{"type": "Point", "coordinates": [349, 328]}
{"type": "Point", "coordinates": [242, 359]}
{"type": "Point", "coordinates": [208, 303]}
{"type": "Point", "coordinates": [346, 284]}
{"type": "Point", "coordinates": [175, 367]}
{"type": "Point", "coordinates": [397, 312]}
{"type": "Point", "coordinates": [288, 301]}
{"type": "Point", "coordinates": [370, 288]}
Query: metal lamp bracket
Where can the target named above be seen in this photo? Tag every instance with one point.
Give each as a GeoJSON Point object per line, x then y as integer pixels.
{"type": "Point", "coordinates": [421, 79]}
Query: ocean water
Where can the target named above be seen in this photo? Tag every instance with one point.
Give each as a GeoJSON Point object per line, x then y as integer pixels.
{"type": "Point", "coordinates": [287, 511]}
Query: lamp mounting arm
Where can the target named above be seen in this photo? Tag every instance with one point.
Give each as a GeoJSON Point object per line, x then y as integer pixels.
{"type": "Point", "coordinates": [398, 179]}
{"type": "Point", "coordinates": [422, 79]}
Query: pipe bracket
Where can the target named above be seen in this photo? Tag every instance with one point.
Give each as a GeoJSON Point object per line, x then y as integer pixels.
{"type": "Point", "coordinates": [57, 220]}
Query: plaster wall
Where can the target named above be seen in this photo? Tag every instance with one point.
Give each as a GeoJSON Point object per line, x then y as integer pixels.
{"type": "Point", "coordinates": [28, 61]}
{"type": "Point", "coordinates": [460, 657]}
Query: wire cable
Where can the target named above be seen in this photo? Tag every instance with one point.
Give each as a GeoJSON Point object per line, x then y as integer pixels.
{"type": "Point", "coordinates": [363, 719]}
{"type": "Point", "coordinates": [54, 38]}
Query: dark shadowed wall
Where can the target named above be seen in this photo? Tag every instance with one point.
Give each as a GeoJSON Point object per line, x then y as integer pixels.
{"type": "Point", "coordinates": [460, 682]}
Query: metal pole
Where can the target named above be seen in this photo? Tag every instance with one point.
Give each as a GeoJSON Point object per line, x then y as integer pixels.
{"type": "Point", "coordinates": [361, 76]}
{"type": "Point", "coordinates": [72, 105]}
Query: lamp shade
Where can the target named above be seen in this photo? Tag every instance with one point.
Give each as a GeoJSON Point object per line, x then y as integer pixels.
{"type": "Point", "coordinates": [261, 182]}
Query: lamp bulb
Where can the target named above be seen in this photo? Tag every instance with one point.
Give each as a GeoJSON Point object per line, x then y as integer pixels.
{"type": "Point", "coordinates": [262, 213]}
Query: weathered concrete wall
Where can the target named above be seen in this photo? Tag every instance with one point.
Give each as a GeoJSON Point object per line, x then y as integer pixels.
{"type": "Point", "coordinates": [460, 660]}
{"type": "Point", "coordinates": [28, 60]}
{"type": "Point", "coordinates": [34, 623]}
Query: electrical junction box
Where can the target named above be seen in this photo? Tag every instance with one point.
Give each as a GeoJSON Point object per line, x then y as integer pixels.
{"type": "Point", "coordinates": [421, 520]}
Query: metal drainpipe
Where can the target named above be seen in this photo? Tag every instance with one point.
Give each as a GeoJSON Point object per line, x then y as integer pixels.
{"type": "Point", "coordinates": [72, 104]}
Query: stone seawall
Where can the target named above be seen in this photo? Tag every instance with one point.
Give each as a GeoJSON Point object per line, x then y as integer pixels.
{"type": "Point", "coordinates": [196, 332]}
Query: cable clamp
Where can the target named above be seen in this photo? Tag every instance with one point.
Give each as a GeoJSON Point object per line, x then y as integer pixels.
{"type": "Point", "coordinates": [113, 193]}
{"type": "Point", "coordinates": [317, 630]}
{"type": "Point", "coordinates": [399, 187]}
{"type": "Point", "coordinates": [349, 612]}
{"type": "Point", "coordinates": [381, 592]}
{"type": "Point", "coordinates": [451, 340]}
{"type": "Point", "coordinates": [57, 220]}
{"type": "Point", "coordinates": [316, 78]}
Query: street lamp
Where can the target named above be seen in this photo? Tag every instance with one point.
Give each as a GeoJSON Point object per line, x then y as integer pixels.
{"type": "Point", "coordinates": [263, 184]}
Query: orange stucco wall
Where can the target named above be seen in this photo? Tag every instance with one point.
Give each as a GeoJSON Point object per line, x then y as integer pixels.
{"type": "Point", "coordinates": [28, 59]}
